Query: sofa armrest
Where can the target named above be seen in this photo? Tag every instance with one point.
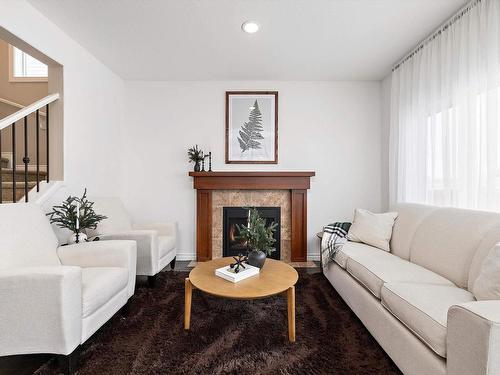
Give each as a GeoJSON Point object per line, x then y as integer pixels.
{"type": "Point", "coordinates": [473, 339]}
{"type": "Point", "coordinates": [163, 229]}
{"type": "Point", "coordinates": [102, 254]}
{"type": "Point", "coordinates": [147, 248]}
{"type": "Point", "coordinates": [40, 310]}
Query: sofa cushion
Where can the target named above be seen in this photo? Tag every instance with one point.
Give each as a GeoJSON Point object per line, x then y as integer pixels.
{"type": "Point", "coordinates": [165, 244]}
{"type": "Point", "coordinates": [447, 240]}
{"type": "Point", "coordinates": [373, 269]}
{"type": "Point", "coordinates": [487, 284]}
{"type": "Point", "coordinates": [372, 229]}
{"type": "Point", "coordinates": [350, 249]}
{"type": "Point", "coordinates": [410, 216]}
{"type": "Point", "coordinates": [99, 285]}
{"type": "Point", "coordinates": [423, 308]}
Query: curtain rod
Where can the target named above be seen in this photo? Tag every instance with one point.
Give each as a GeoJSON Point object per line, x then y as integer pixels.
{"type": "Point", "coordinates": [457, 16]}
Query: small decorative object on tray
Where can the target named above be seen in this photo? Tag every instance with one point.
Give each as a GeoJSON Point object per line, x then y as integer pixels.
{"type": "Point", "coordinates": [238, 265]}
{"type": "Point", "coordinates": [240, 270]}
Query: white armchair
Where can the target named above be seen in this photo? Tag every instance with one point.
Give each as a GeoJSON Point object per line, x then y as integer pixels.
{"type": "Point", "coordinates": [156, 242]}
{"type": "Point", "coordinates": [53, 299]}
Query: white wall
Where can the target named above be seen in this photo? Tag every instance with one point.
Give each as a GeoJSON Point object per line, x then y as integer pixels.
{"type": "Point", "coordinates": [93, 100]}
{"type": "Point", "coordinates": [332, 128]}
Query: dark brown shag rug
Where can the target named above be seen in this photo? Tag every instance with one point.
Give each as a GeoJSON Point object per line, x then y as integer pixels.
{"type": "Point", "coordinates": [232, 337]}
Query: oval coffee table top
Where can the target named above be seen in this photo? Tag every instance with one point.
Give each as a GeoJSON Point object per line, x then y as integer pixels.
{"type": "Point", "coordinates": [274, 278]}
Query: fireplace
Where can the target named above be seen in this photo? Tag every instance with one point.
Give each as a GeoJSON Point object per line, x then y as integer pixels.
{"type": "Point", "coordinates": [233, 216]}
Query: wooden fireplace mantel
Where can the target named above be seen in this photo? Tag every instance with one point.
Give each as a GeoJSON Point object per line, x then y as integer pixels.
{"type": "Point", "coordinates": [296, 182]}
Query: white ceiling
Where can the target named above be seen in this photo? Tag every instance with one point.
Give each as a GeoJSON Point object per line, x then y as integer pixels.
{"type": "Point", "coordinates": [202, 39]}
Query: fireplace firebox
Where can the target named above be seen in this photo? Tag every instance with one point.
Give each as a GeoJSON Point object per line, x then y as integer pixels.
{"type": "Point", "coordinates": [233, 216]}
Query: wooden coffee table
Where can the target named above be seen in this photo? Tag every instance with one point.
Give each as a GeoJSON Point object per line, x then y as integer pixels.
{"type": "Point", "coordinates": [274, 278]}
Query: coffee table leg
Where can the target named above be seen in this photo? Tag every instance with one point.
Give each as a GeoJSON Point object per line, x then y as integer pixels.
{"type": "Point", "coordinates": [291, 313]}
{"type": "Point", "coordinates": [188, 292]}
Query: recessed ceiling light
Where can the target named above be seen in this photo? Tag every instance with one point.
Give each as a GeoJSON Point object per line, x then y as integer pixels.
{"type": "Point", "coordinates": [250, 27]}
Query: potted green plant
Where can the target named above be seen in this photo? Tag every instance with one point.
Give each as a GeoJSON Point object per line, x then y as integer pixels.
{"type": "Point", "coordinates": [77, 215]}
{"type": "Point", "coordinates": [259, 237]}
{"type": "Point", "coordinates": [196, 156]}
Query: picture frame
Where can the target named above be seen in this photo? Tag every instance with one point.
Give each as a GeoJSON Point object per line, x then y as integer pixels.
{"type": "Point", "coordinates": [251, 127]}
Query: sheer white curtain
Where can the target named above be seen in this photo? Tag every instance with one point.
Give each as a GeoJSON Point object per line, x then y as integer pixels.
{"type": "Point", "coordinates": [445, 116]}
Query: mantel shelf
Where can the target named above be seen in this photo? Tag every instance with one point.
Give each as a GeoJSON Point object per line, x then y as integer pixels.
{"type": "Point", "coordinates": [251, 180]}
{"type": "Point", "coordinates": [253, 174]}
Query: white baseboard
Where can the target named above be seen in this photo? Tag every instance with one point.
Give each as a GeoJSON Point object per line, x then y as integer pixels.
{"type": "Point", "coordinates": [185, 256]}
{"type": "Point", "coordinates": [313, 257]}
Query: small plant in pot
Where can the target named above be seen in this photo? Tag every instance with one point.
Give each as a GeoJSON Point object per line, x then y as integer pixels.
{"type": "Point", "coordinates": [196, 156]}
{"type": "Point", "coordinates": [77, 215]}
{"type": "Point", "coordinates": [259, 237]}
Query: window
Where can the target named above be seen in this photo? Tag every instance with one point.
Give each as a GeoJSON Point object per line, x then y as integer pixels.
{"type": "Point", "coordinates": [25, 68]}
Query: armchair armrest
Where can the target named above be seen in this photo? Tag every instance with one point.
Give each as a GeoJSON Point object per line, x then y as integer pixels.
{"type": "Point", "coordinates": [147, 248]}
{"type": "Point", "coordinates": [102, 254]}
{"type": "Point", "coordinates": [163, 229]}
{"type": "Point", "coordinates": [40, 310]}
{"type": "Point", "coordinates": [473, 339]}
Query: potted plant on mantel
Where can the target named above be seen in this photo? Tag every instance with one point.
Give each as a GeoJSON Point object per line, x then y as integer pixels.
{"type": "Point", "coordinates": [196, 156]}
{"type": "Point", "coordinates": [258, 236]}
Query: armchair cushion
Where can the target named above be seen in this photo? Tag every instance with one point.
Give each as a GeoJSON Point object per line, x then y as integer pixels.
{"type": "Point", "coordinates": [118, 219]}
{"type": "Point", "coordinates": [25, 226]}
{"type": "Point", "coordinates": [102, 254]}
{"type": "Point", "coordinates": [99, 285]}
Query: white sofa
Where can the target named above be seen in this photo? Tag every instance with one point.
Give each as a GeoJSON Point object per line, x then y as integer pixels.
{"type": "Point", "coordinates": [416, 301]}
{"type": "Point", "coordinates": [156, 242]}
{"type": "Point", "coordinates": [52, 299]}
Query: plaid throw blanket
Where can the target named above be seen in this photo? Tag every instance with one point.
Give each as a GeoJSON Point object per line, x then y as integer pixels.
{"type": "Point", "coordinates": [334, 237]}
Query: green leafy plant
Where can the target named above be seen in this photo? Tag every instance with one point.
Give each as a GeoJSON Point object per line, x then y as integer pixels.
{"type": "Point", "coordinates": [195, 154]}
{"type": "Point", "coordinates": [64, 216]}
{"type": "Point", "coordinates": [257, 234]}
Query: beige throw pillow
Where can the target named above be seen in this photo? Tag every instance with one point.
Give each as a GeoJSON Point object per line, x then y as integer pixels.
{"type": "Point", "coordinates": [487, 284]}
{"type": "Point", "coordinates": [372, 229]}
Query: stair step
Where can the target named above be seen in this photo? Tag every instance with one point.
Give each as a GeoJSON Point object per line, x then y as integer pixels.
{"type": "Point", "coordinates": [7, 175]}
{"type": "Point", "coordinates": [7, 190]}
{"type": "Point", "coordinates": [7, 195]}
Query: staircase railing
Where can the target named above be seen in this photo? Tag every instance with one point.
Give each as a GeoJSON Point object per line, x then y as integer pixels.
{"type": "Point", "coordinates": [11, 121]}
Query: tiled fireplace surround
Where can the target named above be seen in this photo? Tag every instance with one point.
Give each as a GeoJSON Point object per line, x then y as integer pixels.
{"type": "Point", "coordinates": [251, 198]}
{"type": "Point", "coordinates": [216, 190]}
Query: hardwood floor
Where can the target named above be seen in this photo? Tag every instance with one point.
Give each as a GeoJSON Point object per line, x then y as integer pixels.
{"type": "Point", "coordinates": [27, 364]}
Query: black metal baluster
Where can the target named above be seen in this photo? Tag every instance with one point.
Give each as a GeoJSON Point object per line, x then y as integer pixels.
{"type": "Point", "coordinates": [14, 163]}
{"type": "Point", "coordinates": [1, 173]}
{"type": "Point", "coordinates": [37, 151]}
{"type": "Point", "coordinates": [47, 135]}
{"type": "Point", "coordinates": [26, 159]}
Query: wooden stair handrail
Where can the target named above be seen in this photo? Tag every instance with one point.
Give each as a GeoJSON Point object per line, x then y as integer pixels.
{"type": "Point", "coordinates": [28, 110]}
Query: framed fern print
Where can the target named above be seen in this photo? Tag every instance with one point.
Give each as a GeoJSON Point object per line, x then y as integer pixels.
{"type": "Point", "coordinates": [251, 127]}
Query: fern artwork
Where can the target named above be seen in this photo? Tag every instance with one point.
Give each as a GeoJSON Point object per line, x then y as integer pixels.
{"type": "Point", "coordinates": [251, 131]}
{"type": "Point", "coordinates": [252, 127]}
